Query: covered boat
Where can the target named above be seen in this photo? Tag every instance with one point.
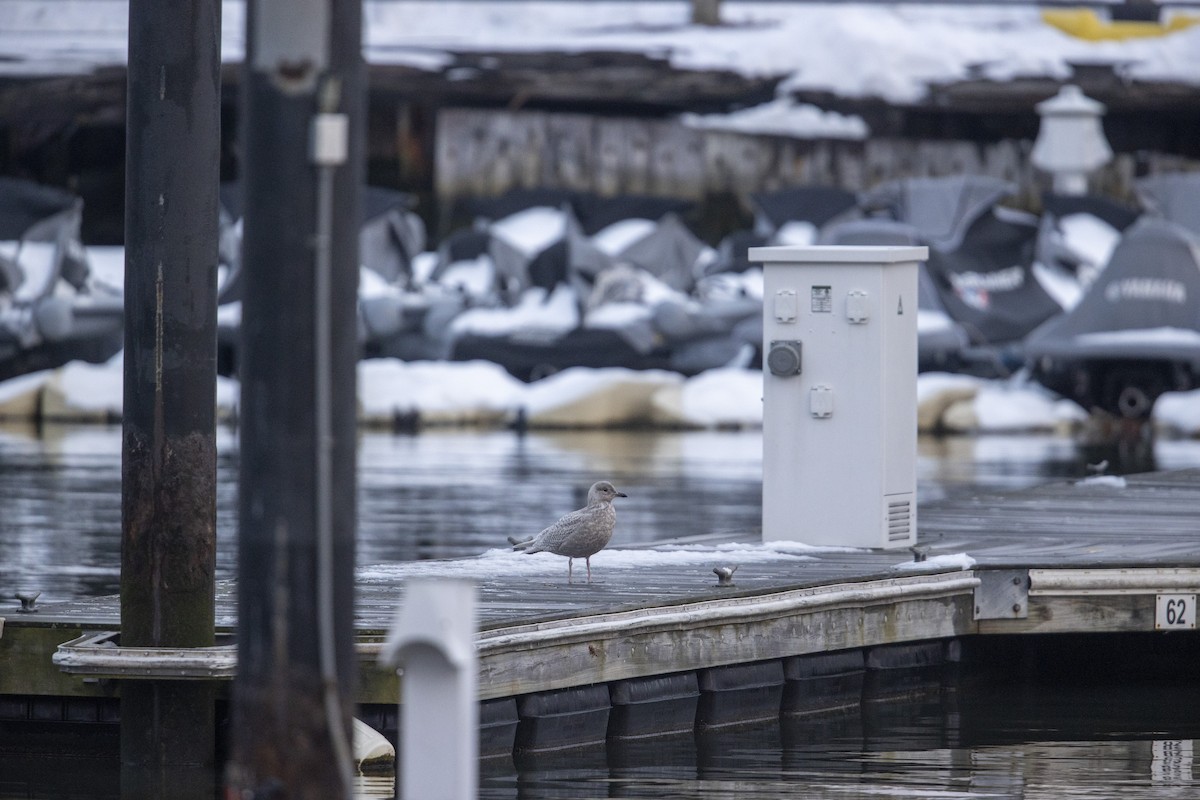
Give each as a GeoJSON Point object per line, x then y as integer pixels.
{"type": "Point", "coordinates": [633, 294]}
{"type": "Point", "coordinates": [392, 312]}
{"type": "Point", "coordinates": [1136, 333]}
{"type": "Point", "coordinates": [1174, 196]}
{"type": "Point", "coordinates": [52, 309]}
{"type": "Point", "coordinates": [981, 257]}
{"type": "Point", "coordinates": [979, 295]}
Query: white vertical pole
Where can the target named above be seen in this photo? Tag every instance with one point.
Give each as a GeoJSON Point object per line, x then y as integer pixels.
{"type": "Point", "coordinates": [433, 640]}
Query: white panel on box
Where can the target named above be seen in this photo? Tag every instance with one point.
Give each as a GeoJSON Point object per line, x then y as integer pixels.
{"type": "Point", "coordinates": [785, 305]}
{"type": "Point", "coordinates": [820, 401]}
{"type": "Point", "coordinates": [857, 306]}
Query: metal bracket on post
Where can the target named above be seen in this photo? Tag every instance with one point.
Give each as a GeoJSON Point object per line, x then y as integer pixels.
{"type": "Point", "coordinates": [432, 640]}
{"type": "Point", "coordinates": [1002, 594]}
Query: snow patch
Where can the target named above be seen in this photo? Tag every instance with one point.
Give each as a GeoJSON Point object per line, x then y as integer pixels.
{"type": "Point", "coordinates": [1157, 337]}
{"type": "Point", "coordinates": [619, 236]}
{"type": "Point", "coordinates": [1112, 481]}
{"type": "Point", "coordinates": [724, 397]}
{"type": "Point", "coordinates": [784, 117]}
{"type": "Point", "coordinates": [532, 230]}
{"type": "Point", "coordinates": [534, 311]}
{"type": "Point", "coordinates": [939, 563]}
{"type": "Point", "coordinates": [436, 389]}
{"type": "Point", "coordinates": [509, 563]}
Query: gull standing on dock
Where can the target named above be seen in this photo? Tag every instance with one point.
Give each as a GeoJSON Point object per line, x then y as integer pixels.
{"type": "Point", "coordinates": [580, 534]}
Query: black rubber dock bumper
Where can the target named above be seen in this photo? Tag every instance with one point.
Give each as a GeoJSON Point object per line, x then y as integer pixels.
{"type": "Point", "coordinates": [824, 682]}
{"type": "Point", "coordinates": [656, 706]}
{"type": "Point", "coordinates": [562, 719]}
{"type": "Point", "coordinates": [739, 694]}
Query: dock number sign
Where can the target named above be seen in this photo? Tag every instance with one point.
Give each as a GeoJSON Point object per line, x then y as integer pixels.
{"type": "Point", "coordinates": [1175, 612]}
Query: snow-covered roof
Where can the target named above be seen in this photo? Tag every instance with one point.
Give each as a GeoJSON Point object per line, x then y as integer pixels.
{"type": "Point", "coordinates": [889, 51]}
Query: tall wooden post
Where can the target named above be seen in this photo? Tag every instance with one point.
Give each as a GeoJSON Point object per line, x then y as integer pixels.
{"type": "Point", "coordinates": [169, 464]}
{"type": "Point", "coordinates": [302, 112]}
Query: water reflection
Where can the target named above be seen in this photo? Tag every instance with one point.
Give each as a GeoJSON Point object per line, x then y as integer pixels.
{"type": "Point", "coordinates": [458, 493]}
{"type": "Point", "coordinates": [943, 746]}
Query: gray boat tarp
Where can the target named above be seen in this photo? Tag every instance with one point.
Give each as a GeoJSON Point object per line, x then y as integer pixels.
{"type": "Point", "coordinates": [819, 205]}
{"type": "Point", "coordinates": [1054, 249]}
{"type": "Point", "coordinates": [986, 282]}
{"type": "Point", "coordinates": [980, 256]}
{"type": "Point", "coordinates": [1174, 196]}
{"type": "Point", "coordinates": [1145, 304]}
{"type": "Point", "coordinates": [670, 253]}
{"type": "Point", "coordinates": [50, 310]}
{"type": "Point", "coordinates": [941, 209]}
{"type": "Point", "coordinates": [1136, 332]}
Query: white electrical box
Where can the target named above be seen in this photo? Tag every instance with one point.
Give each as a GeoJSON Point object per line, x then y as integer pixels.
{"type": "Point", "coordinates": [840, 394]}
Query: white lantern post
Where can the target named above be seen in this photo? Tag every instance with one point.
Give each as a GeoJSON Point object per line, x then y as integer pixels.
{"type": "Point", "coordinates": [1070, 142]}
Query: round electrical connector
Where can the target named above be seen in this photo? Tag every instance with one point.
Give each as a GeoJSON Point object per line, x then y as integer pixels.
{"type": "Point", "coordinates": [783, 358]}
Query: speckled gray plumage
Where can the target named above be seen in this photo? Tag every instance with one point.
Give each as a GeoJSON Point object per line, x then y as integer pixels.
{"type": "Point", "coordinates": [580, 534]}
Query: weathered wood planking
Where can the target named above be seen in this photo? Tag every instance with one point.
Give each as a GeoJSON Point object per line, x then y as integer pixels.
{"type": "Point", "coordinates": [483, 152]}
{"type": "Point", "coordinates": [486, 151]}
{"type": "Point", "coordinates": [633, 622]}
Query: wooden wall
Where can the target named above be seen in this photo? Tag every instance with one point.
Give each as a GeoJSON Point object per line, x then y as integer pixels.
{"type": "Point", "coordinates": [483, 152]}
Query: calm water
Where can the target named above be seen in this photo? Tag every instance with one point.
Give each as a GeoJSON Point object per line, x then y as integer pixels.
{"type": "Point", "coordinates": [453, 493]}
{"type": "Point", "coordinates": [1001, 742]}
{"type": "Point", "coordinates": [1006, 743]}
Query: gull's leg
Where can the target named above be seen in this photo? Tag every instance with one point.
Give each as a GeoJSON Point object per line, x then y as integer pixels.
{"type": "Point", "coordinates": [588, 561]}
{"type": "Point", "coordinates": [570, 561]}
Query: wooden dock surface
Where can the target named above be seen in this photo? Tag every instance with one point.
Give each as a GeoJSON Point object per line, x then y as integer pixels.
{"type": "Point", "coordinates": [1064, 557]}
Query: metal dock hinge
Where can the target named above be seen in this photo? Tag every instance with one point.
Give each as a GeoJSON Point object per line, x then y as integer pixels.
{"type": "Point", "coordinates": [1002, 594]}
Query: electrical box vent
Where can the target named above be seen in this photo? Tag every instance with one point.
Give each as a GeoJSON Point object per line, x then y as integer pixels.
{"type": "Point", "coordinates": [899, 520]}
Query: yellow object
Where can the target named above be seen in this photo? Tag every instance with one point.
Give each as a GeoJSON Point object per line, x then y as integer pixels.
{"type": "Point", "coordinates": [1085, 23]}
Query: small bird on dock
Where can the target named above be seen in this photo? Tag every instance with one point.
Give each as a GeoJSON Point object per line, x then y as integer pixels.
{"type": "Point", "coordinates": [580, 534]}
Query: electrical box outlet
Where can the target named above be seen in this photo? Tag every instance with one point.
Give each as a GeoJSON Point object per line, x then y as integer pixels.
{"type": "Point", "coordinates": [840, 436]}
{"type": "Point", "coordinates": [783, 358]}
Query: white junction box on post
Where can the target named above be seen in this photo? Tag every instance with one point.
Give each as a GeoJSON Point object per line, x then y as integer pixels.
{"type": "Point", "coordinates": [840, 394]}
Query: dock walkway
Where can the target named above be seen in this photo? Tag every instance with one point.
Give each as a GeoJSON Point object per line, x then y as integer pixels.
{"type": "Point", "coordinates": [1101, 556]}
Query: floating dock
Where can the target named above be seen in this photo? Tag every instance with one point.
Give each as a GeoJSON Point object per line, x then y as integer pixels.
{"type": "Point", "coordinates": [560, 663]}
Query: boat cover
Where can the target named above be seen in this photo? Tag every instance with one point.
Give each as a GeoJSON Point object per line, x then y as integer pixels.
{"type": "Point", "coordinates": [986, 282]}
{"type": "Point", "coordinates": [670, 253]}
{"type": "Point", "coordinates": [942, 208]}
{"type": "Point", "coordinates": [816, 204]}
{"type": "Point", "coordinates": [1174, 196]}
{"type": "Point", "coordinates": [1144, 305]}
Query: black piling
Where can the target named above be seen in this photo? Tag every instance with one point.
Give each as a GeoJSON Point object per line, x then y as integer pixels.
{"type": "Point", "coordinates": [303, 86]}
{"type": "Point", "coordinates": [168, 477]}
